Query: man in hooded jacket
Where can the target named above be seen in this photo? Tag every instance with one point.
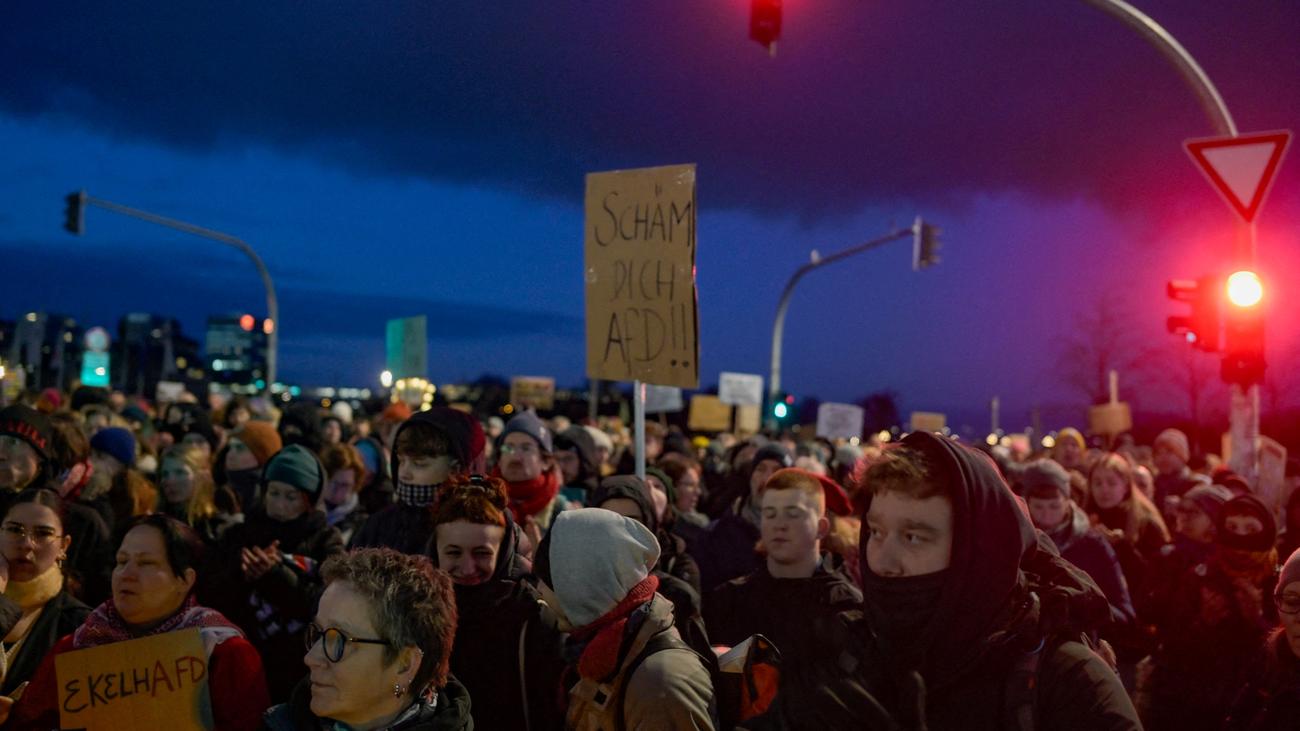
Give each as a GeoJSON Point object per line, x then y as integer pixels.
{"type": "Point", "coordinates": [974, 621]}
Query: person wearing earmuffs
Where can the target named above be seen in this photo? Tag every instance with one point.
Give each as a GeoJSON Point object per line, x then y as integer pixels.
{"type": "Point", "coordinates": [271, 579]}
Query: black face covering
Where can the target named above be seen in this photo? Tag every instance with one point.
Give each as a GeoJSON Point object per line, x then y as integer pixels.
{"type": "Point", "coordinates": [244, 483]}
{"type": "Point", "coordinates": [901, 608]}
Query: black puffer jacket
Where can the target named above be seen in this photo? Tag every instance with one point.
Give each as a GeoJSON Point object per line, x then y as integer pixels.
{"type": "Point", "coordinates": [1009, 610]}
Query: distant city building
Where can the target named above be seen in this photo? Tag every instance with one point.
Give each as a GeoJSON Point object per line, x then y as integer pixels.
{"type": "Point", "coordinates": [47, 347]}
{"type": "Point", "coordinates": [151, 348]}
{"type": "Point", "coordinates": [235, 349]}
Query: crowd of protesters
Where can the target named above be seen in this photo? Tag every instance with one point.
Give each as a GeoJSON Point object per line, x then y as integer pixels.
{"type": "Point", "coordinates": [435, 570]}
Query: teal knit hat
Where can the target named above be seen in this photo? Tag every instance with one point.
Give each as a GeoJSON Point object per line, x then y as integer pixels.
{"type": "Point", "coordinates": [296, 466]}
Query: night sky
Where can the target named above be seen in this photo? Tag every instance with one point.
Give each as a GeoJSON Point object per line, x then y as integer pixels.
{"type": "Point", "coordinates": [392, 159]}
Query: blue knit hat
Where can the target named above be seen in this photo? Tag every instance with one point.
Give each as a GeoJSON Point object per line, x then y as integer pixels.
{"type": "Point", "coordinates": [116, 442]}
{"type": "Point", "coordinates": [296, 466]}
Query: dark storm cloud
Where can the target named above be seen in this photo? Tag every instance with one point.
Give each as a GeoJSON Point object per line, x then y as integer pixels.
{"type": "Point", "coordinates": [865, 100]}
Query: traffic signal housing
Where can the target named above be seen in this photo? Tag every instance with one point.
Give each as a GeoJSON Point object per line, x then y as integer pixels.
{"type": "Point", "coordinates": [1243, 330]}
{"type": "Point", "coordinates": [1201, 325]}
{"type": "Point", "coordinates": [765, 22]}
{"type": "Point", "coordinates": [925, 245]}
{"type": "Point", "coordinates": [74, 213]}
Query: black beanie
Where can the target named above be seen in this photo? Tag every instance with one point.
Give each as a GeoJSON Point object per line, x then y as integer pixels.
{"type": "Point", "coordinates": [29, 425]}
{"type": "Point", "coordinates": [774, 451]}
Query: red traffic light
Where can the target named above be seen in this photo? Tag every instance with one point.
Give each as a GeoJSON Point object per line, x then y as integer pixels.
{"type": "Point", "coordinates": [247, 323]}
{"type": "Point", "coordinates": [765, 22]}
{"type": "Point", "coordinates": [1244, 289]}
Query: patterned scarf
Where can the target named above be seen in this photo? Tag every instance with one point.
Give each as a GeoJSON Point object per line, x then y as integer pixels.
{"type": "Point", "coordinates": [417, 496]}
{"type": "Point", "coordinates": [105, 625]}
{"type": "Point", "coordinates": [603, 638]}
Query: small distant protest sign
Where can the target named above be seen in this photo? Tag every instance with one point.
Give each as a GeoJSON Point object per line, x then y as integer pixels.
{"type": "Point", "coordinates": [153, 682]}
{"type": "Point", "coordinates": [708, 414]}
{"type": "Point", "coordinates": [740, 389]}
{"type": "Point", "coordinates": [839, 421]}
{"type": "Point", "coordinates": [536, 392]}
{"type": "Point", "coordinates": [663, 399]}
{"type": "Point", "coordinates": [639, 269]}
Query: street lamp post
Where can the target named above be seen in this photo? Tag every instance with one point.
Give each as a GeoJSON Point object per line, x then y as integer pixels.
{"type": "Point", "coordinates": [1243, 419]}
{"type": "Point", "coordinates": [817, 260]}
{"type": "Point", "coordinates": [272, 306]}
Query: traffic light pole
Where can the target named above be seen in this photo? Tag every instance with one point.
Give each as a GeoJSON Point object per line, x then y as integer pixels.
{"type": "Point", "coordinates": [1243, 428]}
{"type": "Point", "coordinates": [778, 328]}
{"type": "Point", "coordinates": [272, 305]}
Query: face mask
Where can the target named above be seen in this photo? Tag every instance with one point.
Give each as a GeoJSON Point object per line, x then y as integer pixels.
{"type": "Point", "coordinates": [900, 608]}
{"type": "Point", "coordinates": [244, 483]}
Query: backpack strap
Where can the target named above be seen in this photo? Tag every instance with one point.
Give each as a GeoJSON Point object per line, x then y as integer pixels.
{"type": "Point", "coordinates": [1020, 697]}
{"type": "Point", "coordinates": [523, 675]}
{"type": "Point", "coordinates": [661, 641]}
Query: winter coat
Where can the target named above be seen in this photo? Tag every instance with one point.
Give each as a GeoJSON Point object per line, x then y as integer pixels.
{"type": "Point", "coordinates": [508, 648]}
{"type": "Point", "coordinates": [727, 549]}
{"type": "Point", "coordinates": [1084, 547]}
{"type": "Point", "coordinates": [1271, 699]}
{"type": "Point", "coordinates": [1210, 641]}
{"type": "Point", "coordinates": [274, 609]}
{"type": "Point", "coordinates": [792, 613]}
{"type": "Point", "coordinates": [401, 527]}
{"type": "Point", "coordinates": [1007, 601]}
{"type": "Point", "coordinates": [670, 690]}
{"type": "Point", "coordinates": [451, 712]}
{"type": "Point", "coordinates": [60, 616]}
{"type": "Point", "coordinates": [235, 685]}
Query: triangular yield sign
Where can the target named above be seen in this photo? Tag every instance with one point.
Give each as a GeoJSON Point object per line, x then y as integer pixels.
{"type": "Point", "coordinates": [1241, 168]}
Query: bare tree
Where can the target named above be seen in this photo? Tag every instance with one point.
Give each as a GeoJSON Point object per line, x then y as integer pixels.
{"type": "Point", "coordinates": [1103, 339]}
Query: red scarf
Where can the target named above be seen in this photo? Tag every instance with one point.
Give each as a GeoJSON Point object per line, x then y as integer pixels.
{"type": "Point", "coordinates": [531, 497]}
{"type": "Point", "coordinates": [105, 625]}
{"type": "Point", "coordinates": [604, 637]}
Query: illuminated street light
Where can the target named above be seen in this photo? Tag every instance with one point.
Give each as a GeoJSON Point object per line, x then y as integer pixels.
{"type": "Point", "coordinates": [386, 379]}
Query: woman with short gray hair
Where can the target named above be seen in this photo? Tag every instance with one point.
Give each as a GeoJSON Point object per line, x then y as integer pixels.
{"type": "Point", "coordinates": [378, 649]}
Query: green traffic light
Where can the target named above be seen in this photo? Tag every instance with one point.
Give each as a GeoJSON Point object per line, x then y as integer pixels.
{"type": "Point", "coordinates": [780, 410]}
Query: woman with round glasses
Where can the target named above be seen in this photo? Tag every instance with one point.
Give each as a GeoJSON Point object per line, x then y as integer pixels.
{"type": "Point", "coordinates": [36, 608]}
{"type": "Point", "coordinates": [1271, 701]}
{"type": "Point", "coordinates": [153, 593]}
{"type": "Point", "coordinates": [378, 649]}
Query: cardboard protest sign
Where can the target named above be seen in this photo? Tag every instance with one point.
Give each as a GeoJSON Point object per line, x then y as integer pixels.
{"type": "Point", "coordinates": [153, 682]}
{"type": "Point", "coordinates": [749, 419]}
{"type": "Point", "coordinates": [927, 421]}
{"type": "Point", "coordinates": [537, 392]}
{"type": "Point", "coordinates": [839, 421]}
{"type": "Point", "coordinates": [663, 399]}
{"type": "Point", "coordinates": [1110, 419]}
{"type": "Point", "coordinates": [708, 414]}
{"type": "Point", "coordinates": [740, 389]}
{"type": "Point", "coordinates": [639, 269]}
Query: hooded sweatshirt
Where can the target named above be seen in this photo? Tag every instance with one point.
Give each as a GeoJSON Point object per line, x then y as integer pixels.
{"type": "Point", "coordinates": [407, 524]}
{"type": "Point", "coordinates": [965, 628]}
{"type": "Point", "coordinates": [598, 563]}
{"type": "Point", "coordinates": [508, 647]}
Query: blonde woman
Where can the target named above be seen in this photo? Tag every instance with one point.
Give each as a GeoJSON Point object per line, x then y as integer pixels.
{"type": "Point", "coordinates": [187, 492]}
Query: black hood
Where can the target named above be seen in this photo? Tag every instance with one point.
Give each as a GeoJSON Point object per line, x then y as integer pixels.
{"type": "Point", "coordinates": [578, 439]}
{"type": "Point", "coordinates": [462, 431]}
{"type": "Point", "coordinates": [631, 487]}
{"type": "Point", "coordinates": [992, 535]}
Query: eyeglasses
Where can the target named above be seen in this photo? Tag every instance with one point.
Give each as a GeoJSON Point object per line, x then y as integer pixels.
{"type": "Point", "coordinates": [333, 641]}
{"type": "Point", "coordinates": [41, 535]}
{"type": "Point", "coordinates": [526, 448]}
{"type": "Point", "coordinates": [1287, 603]}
